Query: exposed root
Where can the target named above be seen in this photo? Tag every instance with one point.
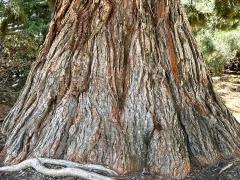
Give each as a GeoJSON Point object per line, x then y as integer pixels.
{"type": "Point", "coordinates": [86, 171]}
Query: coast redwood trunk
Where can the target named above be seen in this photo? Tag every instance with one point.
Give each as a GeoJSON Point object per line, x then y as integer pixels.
{"type": "Point", "coordinates": [121, 83]}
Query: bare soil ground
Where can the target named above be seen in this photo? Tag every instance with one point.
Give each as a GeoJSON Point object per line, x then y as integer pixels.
{"type": "Point", "coordinates": [227, 86]}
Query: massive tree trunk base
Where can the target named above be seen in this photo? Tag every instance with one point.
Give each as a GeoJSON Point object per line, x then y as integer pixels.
{"type": "Point", "coordinates": [121, 83]}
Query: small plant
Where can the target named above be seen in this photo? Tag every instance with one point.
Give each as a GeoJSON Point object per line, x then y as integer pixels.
{"type": "Point", "coordinates": [216, 62]}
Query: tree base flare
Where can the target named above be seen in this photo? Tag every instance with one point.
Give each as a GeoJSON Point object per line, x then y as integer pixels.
{"type": "Point", "coordinates": [121, 83]}
{"type": "Point", "coordinates": [86, 171]}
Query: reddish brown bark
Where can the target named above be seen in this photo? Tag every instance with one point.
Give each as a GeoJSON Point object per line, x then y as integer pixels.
{"type": "Point", "coordinates": [121, 83]}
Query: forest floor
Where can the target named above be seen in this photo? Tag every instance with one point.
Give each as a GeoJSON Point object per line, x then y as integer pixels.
{"type": "Point", "coordinates": [227, 86]}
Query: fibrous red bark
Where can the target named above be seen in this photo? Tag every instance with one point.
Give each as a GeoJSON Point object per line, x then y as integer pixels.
{"type": "Point", "coordinates": [121, 83]}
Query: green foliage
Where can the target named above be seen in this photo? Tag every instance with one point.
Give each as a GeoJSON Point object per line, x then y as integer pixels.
{"type": "Point", "coordinates": [207, 45]}
{"type": "Point", "coordinates": [39, 14]}
{"type": "Point", "coordinates": [51, 3]}
{"type": "Point", "coordinates": [218, 47]}
{"type": "Point", "coordinates": [32, 16]}
{"type": "Point", "coordinates": [197, 19]}
{"type": "Point", "coordinates": [213, 57]}
{"type": "Point", "coordinates": [216, 27]}
{"type": "Point", "coordinates": [20, 49]}
{"type": "Point", "coordinates": [23, 27]}
{"type": "Point", "coordinates": [11, 16]}
{"type": "Point", "coordinates": [216, 62]}
{"type": "Point", "coordinates": [227, 9]}
{"type": "Point", "coordinates": [223, 15]}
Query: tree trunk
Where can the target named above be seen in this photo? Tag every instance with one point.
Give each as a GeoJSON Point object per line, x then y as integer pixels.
{"type": "Point", "coordinates": [121, 83]}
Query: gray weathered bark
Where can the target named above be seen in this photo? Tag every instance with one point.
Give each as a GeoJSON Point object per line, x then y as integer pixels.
{"type": "Point", "coordinates": [121, 83]}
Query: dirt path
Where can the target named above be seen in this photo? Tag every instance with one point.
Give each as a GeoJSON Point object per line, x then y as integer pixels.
{"type": "Point", "coordinates": [228, 87]}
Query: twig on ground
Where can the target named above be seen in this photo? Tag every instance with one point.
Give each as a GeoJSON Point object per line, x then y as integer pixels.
{"type": "Point", "coordinates": [225, 168]}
